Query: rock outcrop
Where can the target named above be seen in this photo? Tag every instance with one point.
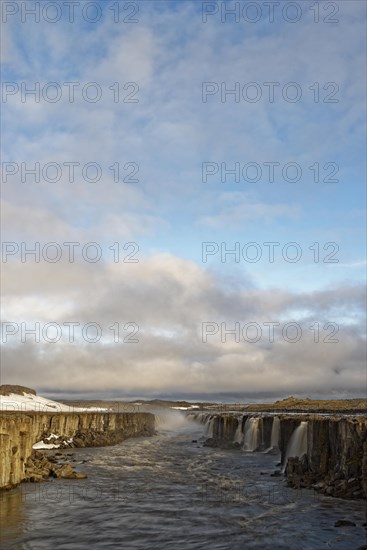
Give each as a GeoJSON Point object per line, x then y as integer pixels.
{"type": "Point", "coordinates": [40, 466]}
{"type": "Point", "coordinates": [336, 459]}
{"type": "Point", "coordinates": [329, 456]}
{"type": "Point", "coordinates": [20, 431]}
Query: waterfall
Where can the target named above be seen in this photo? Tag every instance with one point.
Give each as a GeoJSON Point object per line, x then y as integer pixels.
{"type": "Point", "coordinates": [238, 436]}
{"type": "Point", "coordinates": [251, 434]}
{"type": "Point", "coordinates": [275, 432]}
{"type": "Point", "coordinates": [200, 417]}
{"type": "Point", "coordinates": [209, 426]}
{"type": "Point", "coordinates": [297, 445]}
{"type": "Point", "coordinates": [206, 419]}
{"type": "Point", "coordinates": [262, 435]}
{"type": "Point", "coordinates": [170, 420]}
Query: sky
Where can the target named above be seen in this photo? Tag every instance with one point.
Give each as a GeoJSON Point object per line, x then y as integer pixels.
{"type": "Point", "coordinates": [204, 162]}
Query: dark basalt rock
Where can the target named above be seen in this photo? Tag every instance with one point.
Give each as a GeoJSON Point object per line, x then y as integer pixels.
{"type": "Point", "coordinates": [40, 467]}
{"type": "Point", "coordinates": [211, 442]}
{"type": "Point", "coordinates": [344, 523]}
{"type": "Point", "coordinates": [336, 460]}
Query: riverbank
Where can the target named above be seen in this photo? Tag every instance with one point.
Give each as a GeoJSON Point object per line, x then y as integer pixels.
{"type": "Point", "coordinates": [19, 432]}
{"type": "Point", "coordinates": [325, 453]}
{"type": "Point", "coordinates": [171, 491]}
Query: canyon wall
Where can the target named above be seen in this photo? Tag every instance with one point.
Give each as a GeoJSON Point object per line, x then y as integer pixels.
{"type": "Point", "coordinates": [336, 457]}
{"type": "Point", "coordinates": [327, 453]}
{"type": "Point", "coordinates": [19, 431]}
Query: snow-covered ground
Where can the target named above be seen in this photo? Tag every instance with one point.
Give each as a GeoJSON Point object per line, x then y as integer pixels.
{"type": "Point", "coordinates": [53, 437]}
{"type": "Point", "coordinates": [186, 408]}
{"type": "Point", "coordinates": [29, 402]}
{"type": "Point", "coordinates": [41, 445]}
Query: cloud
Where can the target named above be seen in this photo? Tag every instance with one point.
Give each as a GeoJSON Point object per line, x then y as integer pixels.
{"type": "Point", "coordinates": [169, 299]}
{"type": "Point", "coordinates": [169, 133]}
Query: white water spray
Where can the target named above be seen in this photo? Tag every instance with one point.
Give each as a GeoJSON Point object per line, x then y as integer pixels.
{"type": "Point", "coordinates": [251, 434]}
{"type": "Point", "coordinates": [238, 436]}
{"type": "Point", "coordinates": [170, 421]}
{"type": "Point", "coordinates": [275, 433]}
{"type": "Point", "coordinates": [297, 445]}
{"type": "Point", "coordinates": [209, 426]}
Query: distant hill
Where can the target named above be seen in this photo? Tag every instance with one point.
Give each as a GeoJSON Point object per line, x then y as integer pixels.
{"type": "Point", "coordinates": [313, 405]}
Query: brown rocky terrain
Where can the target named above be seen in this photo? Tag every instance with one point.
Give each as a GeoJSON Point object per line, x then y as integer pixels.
{"type": "Point", "coordinates": [19, 432]}
{"type": "Point", "coordinates": [294, 404]}
{"type": "Point", "coordinates": [7, 389]}
{"type": "Point", "coordinates": [41, 466]}
{"type": "Point", "coordinates": [289, 404]}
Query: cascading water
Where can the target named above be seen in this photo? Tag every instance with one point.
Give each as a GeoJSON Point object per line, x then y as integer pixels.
{"type": "Point", "coordinates": [209, 427]}
{"type": "Point", "coordinates": [238, 436]}
{"type": "Point", "coordinates": [251, 434]}
{"type": "Point", "coordinates": [275, 433]}
{"type": "Point", "coordinates": [261, 434]}
{"type": "Point", "coordinates": [170, 420]}
{"type": "Point", "coordinates": [297, 445]}
{"type": "Point", "coordinates": [202, 418]}
{"type": "Point", "coordinates": [169, 492]}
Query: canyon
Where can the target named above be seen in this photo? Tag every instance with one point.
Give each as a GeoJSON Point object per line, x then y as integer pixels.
{"type": "Point", "coordinates": [324, 452]}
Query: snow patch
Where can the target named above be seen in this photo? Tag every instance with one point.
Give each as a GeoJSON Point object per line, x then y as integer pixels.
{"type": "Point", "coordinates": [52, 436]}
{"type": "Point", "coordinates": [29, 402]}
{"type": "Point", "coordinates": [42, 445]}
{"type": "Point", "coordinates": [185, 408]}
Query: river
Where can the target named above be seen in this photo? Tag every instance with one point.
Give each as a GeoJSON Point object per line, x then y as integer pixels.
{"type": "Point", "coordinates": [169, 491]}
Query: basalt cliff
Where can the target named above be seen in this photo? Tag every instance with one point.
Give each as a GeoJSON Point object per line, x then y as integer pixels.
{"type": "Point", "coordinates": [325, 452]}
{"type": "Point", "coordinates": [20, 431]}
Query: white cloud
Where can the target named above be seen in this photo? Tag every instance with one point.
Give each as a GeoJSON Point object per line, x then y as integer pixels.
{"type": "Point", "coordinates": [169, 299]}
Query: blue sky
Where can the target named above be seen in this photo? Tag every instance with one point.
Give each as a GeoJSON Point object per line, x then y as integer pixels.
{"type": "Point", "coordinates": [170, 132]}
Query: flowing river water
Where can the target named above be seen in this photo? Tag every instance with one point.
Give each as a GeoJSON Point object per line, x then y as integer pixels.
{"type": "Point", "coordinates": [169, 491]}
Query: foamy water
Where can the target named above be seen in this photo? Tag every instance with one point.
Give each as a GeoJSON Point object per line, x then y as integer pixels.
{"type": "Point", "coordinates": [169, 491]}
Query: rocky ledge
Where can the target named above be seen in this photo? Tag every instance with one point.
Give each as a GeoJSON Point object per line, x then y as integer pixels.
{"type": "Point", "coordinates": [40, 466]}
{"type": "Point", "coordinates": [20, 431]}
{"type": "Point", "coordinates": [327, 453]}
{"type": "Point", "coordinates": [335, 462]}
{"type": "Point", "coordinates": [332, 484]}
